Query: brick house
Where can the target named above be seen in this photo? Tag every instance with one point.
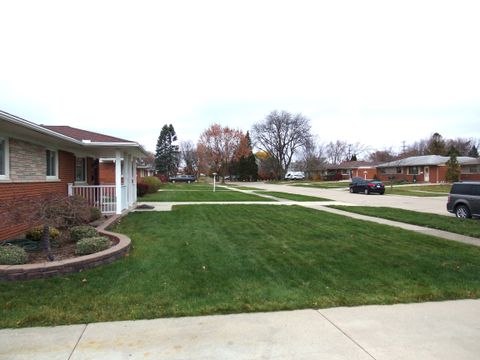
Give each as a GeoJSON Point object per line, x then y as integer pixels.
{"type": "Point", "coordinates": [38, 160]}
{"type": "Point", "coordinates": [427, 168]}
{"type": "Point", "coordinates": [348, 169]}
{"type": "Point", "coordinates": [106, 169]}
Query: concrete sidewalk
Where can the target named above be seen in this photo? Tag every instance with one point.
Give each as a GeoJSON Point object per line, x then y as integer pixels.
{"type": "Point", "coordinates": [436, 330]}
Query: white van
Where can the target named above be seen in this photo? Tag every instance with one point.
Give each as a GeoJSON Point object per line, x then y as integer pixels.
{"type": "Point", "coordinates": [295, 175]}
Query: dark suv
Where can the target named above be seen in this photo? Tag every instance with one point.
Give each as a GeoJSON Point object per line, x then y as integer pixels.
{"type": "Point", "coordinates": [464, 199]}
{"type": "Point", "coordinates": [183, 178]}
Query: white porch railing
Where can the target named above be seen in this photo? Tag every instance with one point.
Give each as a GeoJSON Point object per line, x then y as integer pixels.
{"type": "Point", "coordinates": [100, 196]}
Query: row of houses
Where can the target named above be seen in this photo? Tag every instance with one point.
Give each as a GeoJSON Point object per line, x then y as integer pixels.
{"type": "Point", "coordinates": [40, 160]}
{"type": "Point", "coordinates": [428, 168]}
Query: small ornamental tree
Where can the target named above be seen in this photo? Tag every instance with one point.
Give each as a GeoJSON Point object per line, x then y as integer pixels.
{"type": "Point", "coordinates": [49, 211]}
{"type": "Point", "coordinates": [453, 167]}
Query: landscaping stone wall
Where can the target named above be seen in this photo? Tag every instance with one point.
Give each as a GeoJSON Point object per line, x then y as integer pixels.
{"type": "Point", "coordinates": [54, 268]}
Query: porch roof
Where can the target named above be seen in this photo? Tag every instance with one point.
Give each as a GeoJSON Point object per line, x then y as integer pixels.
{"type": "Point", "coordinates": [68, 138]}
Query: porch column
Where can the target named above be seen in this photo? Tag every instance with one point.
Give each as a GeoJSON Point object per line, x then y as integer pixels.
{"type": "Point", "coordinates": [118, 182]}
{"type": "Point", "coordinates": [127, 177]}
{"type": "Point", "coordinates": [134, 182]}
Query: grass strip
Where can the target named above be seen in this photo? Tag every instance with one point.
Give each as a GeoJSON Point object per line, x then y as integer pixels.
{"type": "Point", "coordinates": [468, 227]}
{"type": "Point", "coordinates": [211, 259]}
{"type": "Point", "coordinates": [293, 197]}
{"type": "Point", "coordinates": [187, 196]}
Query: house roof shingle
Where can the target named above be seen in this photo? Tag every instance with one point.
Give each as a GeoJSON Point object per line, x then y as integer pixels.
{"type": "Point", "coordinates": [425, 160]}
{"type": "Point", "coordinates": [81, 135]}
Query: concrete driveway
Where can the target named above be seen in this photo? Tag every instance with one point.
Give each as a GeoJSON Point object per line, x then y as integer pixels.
{"type": "Point", "coordinates": [435, 205]}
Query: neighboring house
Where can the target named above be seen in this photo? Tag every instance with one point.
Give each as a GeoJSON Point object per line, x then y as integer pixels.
{"type": "Point", "coordinates": [470, 170]}
{"type": "Point", "coordinates": [38, 160]}
{"type": "Point", "coordinates": [427, 168]}
{"type": "Point", "coordinates": [348, 169]}
{"type": "Point", "coordinates": [106, 170]}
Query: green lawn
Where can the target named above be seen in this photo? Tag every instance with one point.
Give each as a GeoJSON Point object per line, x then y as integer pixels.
{"type": "Point", "coordinates": [199, 195]}
{"type": "Point", "coordinates": [468, 227]}
{"type": "Point", "coordinates": [191, 187]}
{"type": "Point", "coordinates": [293, 197]}
{"type": "Point", "coordinates": [247, 188]}
{"type": "Point", "coordinates": [422, 191]}
{"type": "Point", "coordinates": [325, 185]}
{"type": "Point", "coordinates": [211, 259]}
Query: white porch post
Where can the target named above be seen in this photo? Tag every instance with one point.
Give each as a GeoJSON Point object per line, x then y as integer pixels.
{"type": "Point", "coordinates": [127, 177]}
{"type": "Point", "coordinates": [118, 182]}
{"type": "Point", "coordinates": [134, 182]}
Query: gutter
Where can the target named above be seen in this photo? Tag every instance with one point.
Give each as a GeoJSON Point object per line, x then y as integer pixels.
{"type": "Point", "coordinates": [32, 126]}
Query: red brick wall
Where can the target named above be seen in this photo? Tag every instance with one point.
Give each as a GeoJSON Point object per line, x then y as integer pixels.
{"type": "Point", "coordinates": [107, 173]}
{"type": "Point", "coordinates": [13, 193]}
{"type": "Point", "coordinates": [371, 173]}
{"type": "Point", "coordinates": [470, 177]}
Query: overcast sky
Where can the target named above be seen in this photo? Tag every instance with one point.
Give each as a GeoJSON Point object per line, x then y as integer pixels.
{"type": "Point", "coordinates": [375, 72]}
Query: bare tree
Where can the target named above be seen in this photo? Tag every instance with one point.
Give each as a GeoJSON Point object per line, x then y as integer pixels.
{"type": "Point", "coordinates": [280, 135]}
{"type": "Point", "coordinates": [336, 152]}
{"type": "Point", "coordinates": [385, 155]}
{"type": "Point", "coordinates": [189, 157]}
{"type": "Point", "coordinates": [312, 157]}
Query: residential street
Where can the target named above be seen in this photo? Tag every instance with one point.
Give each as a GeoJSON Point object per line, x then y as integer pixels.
{"type": "Point", "coordinates": [435, 205]}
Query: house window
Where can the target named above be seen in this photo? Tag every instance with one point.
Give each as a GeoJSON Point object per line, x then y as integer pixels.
{"type": "Point", "coordinates": [52, 164]}
{"type": "Point", "coordinates": [387, 171]}
{"type": "Point", "coordinates": [413, 170]}
{"type": "Point", "coordinates": [399, 170]}
{"type": "Point", "coordinates": [3, 158]}
{"type": "Point", "coordinates": [80, 169]}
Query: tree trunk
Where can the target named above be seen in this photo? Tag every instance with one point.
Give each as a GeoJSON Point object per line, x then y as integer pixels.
{"type": "Point", "coordinates": [46, 242]}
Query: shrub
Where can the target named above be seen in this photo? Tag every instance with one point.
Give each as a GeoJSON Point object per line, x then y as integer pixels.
{"type": "Point", "coordinates": [152, 182]}
{"type": "Point", "coordinates": [92, 245]}
{"type": "Point", "coordinates": [338, 176]}
{"type": "Point", "coordinates": [35, 233]}
{"type": "Point", "coordinates": [81, 232]}
{"type": "Point", "coordinates": [12, 255]}
{"type": "Point", "coordinates": [95, 214]}
{"type": "Point", "coordinates": [67, 211]}
{"type": "Point", "coordinates": [142, 189]}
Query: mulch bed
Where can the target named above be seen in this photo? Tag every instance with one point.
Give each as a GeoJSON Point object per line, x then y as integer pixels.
{"type": "Point", "coordinates": [66, 250]}
{"type": "Point", "coordinates": [61, 249]}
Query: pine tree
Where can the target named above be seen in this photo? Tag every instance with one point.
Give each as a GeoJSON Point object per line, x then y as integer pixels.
{"type": "Point", "coordinates": [166, 155]}
{"type": "Point", "coordinates": [453, 167]}
{"type": "Point", "coordinates": [246, 167]}
{"type": "Point", "coordinates": [473, 152]}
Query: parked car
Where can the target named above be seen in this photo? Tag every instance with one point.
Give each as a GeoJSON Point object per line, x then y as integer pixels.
{"type": "Point", "coordinates": [366, 186]}
{"type": "Point", "coordinates": [464, 199]}
{"type": "Point", "coordinates": [183, 178]}
{"type": "Point", "coordinates": [295, 175]}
